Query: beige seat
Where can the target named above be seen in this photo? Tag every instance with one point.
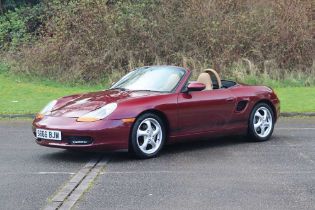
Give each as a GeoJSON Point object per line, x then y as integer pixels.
{"type": "Point", "coordinates": [216, 75]}
{"type": "Point", "coordinates": [206, 80]}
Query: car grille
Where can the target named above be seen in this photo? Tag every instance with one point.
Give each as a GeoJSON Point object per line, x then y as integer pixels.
{"type": "Point", "coordinates": [78, 140]}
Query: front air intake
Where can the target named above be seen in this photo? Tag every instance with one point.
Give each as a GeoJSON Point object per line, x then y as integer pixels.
{"type": "Point", "coordinates": [79, 140]}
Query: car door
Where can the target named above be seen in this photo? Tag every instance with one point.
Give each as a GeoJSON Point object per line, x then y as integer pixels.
{"type": "Point", "coordinates": [204, 111]}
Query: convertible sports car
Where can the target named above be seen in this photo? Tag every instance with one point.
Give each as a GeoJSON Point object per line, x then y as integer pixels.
{"type": "Point", "coordinates": [154, 105]}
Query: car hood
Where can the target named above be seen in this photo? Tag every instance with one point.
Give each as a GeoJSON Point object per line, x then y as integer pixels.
{"type": "Point", "coordinates": [78, 105]}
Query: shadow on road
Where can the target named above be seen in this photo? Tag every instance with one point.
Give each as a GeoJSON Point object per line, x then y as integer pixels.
{"type": "Point", "coordinates": [124, 156]}
{"type": "Point", "coordinates": [168, 150]}
{"type": "Point", "coordinates": [204, 144]}
{"type": "Point", "coordinates": [183, 147]}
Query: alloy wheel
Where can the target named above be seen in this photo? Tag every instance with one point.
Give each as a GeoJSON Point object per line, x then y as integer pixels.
{"type": "Point", "coordinates": [262, 122]}
{"type": "Point", "coordinates": [149, 136]}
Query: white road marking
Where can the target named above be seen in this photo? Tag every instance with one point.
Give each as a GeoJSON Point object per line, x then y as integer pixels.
{"type": "Point", "coordinates": [142, 172]}
{"type": "Point", "coordinates": [200, 171]}
{"type": "Point", "coordinates": [299, 153]}
{"type": "Point", "coordinates": [54, 172]}
{"type": "Point", "coordinates": [295, 128]}
{"type": "Point", "coordinates": [38, 173]}
{"type": "Point", "coordinates": [292, 145]}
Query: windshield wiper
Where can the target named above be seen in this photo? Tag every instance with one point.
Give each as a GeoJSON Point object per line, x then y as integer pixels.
{"type": "Point", "coordinates": [119, 88]}
{"type": "Point", "coordinates": [152, 91]}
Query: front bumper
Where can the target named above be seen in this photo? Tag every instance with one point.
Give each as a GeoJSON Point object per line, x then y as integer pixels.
{"type": "Point", "coordinates": [103, 134]}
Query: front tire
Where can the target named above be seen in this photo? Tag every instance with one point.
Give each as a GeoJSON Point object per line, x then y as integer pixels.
{"type": "Point", "coordinates": [261, 122]}
{"type": "Point", "coordinates": [148, 136]}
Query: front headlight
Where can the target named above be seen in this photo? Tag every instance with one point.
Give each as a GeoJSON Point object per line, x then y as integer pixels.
{"type": "Point", "coordinates": [46, 110]}
{"type": "Point", "coordinates": [98, 114]}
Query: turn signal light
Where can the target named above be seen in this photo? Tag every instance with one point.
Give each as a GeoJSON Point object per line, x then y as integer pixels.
{"type": "Point", "coordinates": [129, 120]}
{"type": "Point", "coordinates": [87, 119]}
{"type": "Point", "coordinates": [39, 116]}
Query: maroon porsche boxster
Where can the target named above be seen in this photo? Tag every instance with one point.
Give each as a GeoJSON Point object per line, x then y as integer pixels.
{"type": "Point", "coordinates": [154, 105]}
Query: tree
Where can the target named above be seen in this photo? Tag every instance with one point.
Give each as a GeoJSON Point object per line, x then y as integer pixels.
{"type": "Point", "coordinates": [1, 7]}
{"type": "Point", "coordinates": [11, 4]}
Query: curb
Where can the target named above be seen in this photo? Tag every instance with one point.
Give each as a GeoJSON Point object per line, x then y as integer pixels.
{"type": "Point", "coordinates": [283, 114]}
{"type": "Point", "coordinates": [71, 192]}
{"type": "Point", "coordinates": [294, 114]}
{"type": "Point", "coordinates": [12, 116]}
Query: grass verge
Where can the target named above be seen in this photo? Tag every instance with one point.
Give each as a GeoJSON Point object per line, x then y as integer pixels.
{"type": "Point", "coordinates": [21, 96]}
{"type": "Point", "coordinates": [297, 99]}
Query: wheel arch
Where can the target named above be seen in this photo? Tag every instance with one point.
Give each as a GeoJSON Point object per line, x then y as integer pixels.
{"type": "Point", "coordinates": [156, 112]}
{"type": "Point", "coordinates": [159, 113]}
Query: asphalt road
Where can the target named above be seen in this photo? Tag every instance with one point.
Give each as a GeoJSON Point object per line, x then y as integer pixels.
{"type": "Point", "coordinates": [226, 173]}
{"type": "Point", "coordinates": [30, 174]}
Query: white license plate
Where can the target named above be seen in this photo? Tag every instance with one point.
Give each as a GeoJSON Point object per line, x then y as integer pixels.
{"type": "Point", "coordinates": [48, 134]}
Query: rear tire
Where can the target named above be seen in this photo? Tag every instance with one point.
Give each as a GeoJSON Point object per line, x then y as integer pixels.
{"type": "Point", "coordinates": [148, 136]}
{"type": "Point", "coordinates": [261, 122]}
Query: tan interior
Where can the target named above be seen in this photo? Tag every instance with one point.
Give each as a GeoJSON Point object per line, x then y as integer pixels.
{"type": "Point", "coordinates": [206, 80]}
{"type": "Point", "coordinates": [215, 73]}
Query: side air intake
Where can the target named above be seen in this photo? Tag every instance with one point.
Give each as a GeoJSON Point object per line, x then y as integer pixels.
{"type": "Point", "coordinates": [241, 106]}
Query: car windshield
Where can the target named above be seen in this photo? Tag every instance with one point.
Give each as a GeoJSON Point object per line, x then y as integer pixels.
{"type": "Point", "coordinates": [155, 78]}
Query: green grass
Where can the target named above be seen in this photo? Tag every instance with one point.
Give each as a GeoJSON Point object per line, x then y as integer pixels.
{"type": "Point", "coordinates": [21, 97]}
{"type": "Point", "coordinates": [25, 95]}
{"type": "Point", "coordinates": [297, 99]}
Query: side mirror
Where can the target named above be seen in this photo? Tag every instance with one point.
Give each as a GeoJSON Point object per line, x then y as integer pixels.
{"type": "Point", "coordinates": [196, 86]}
